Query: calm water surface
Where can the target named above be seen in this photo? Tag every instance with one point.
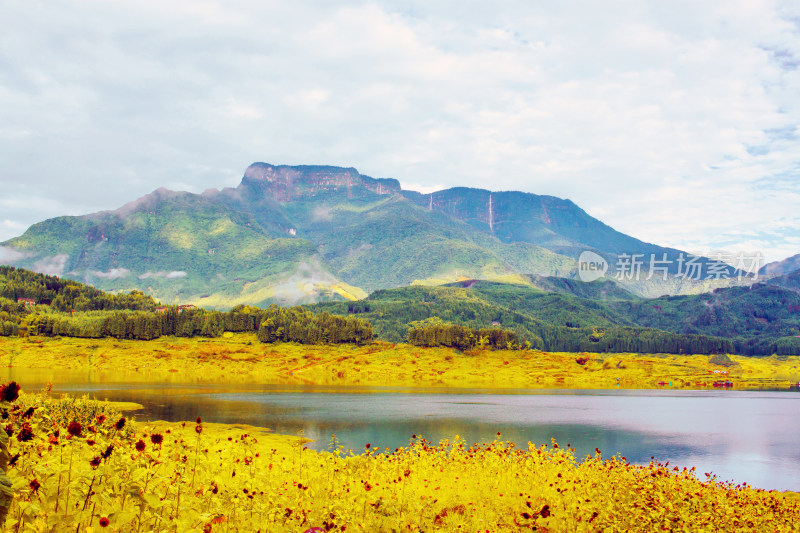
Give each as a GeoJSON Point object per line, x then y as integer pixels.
{"type": "Point", "coordinates": [751, 437]}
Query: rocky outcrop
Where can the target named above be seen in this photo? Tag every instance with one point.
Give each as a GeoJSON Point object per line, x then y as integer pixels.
{"type": "Point", "coordinates": [289, 183]}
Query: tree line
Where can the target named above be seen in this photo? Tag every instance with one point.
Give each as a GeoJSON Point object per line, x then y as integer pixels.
{"type": "Point", "coordinates": [274, 324]}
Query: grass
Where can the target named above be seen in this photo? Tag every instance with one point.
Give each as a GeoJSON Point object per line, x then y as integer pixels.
{"type": "Point", "coordinates": [240, 358]}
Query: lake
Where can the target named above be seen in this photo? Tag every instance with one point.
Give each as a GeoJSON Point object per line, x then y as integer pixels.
{"type": "Point", "coordinates": [748, 437]}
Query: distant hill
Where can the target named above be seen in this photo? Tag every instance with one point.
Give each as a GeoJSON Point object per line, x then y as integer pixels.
{"type": "Point", "coordinates": [788, 265]}
{"type": "Point", "coordinates": [301, 234]}
{"type": "Point", "coordinates": [784, 273]}
{"type": "Point", "coordinates": [554, 223]}
{"type": "Point", "coordinates": [175, 246]}
{"type": "Point", "coordinates": [789, 281]}
{"type": "Point", "coordinates": [760, 310]}
{"type": "Point", "coordinates": [754, 319]}
{"type": "Point", "coordinates": [603, 289]}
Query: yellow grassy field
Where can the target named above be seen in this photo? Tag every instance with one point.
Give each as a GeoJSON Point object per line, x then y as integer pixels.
{"type": "Point", "coordinates": [241, 358]}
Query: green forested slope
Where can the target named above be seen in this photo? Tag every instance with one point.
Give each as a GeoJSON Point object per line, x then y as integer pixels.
{"type": "Point", "coordinates": [758, 320]}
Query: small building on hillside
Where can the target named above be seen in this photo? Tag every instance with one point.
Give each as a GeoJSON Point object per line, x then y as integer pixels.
{"type": "Point", "coordinates": [26, 301]}
{"type": "Point", "coordinates": [162, 309]}
{"type": "Point", "coordinates": [185, 307]}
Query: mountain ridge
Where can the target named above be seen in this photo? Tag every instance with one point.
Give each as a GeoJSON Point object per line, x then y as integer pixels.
{"type": "Point", "coordinates": [786, 266]}
{"type": "Point", "coordinates": [299, 234]}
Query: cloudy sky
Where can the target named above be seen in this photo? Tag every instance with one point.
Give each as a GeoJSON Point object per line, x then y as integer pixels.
{"type": "Point", "coordinates": [675, 122]}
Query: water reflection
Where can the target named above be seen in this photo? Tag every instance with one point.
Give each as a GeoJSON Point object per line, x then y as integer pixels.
{"type": "Point", "coordinates": [740, 436]}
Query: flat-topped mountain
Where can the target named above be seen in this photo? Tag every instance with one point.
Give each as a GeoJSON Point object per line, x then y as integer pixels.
{"type": "Point", "coordinates": [291, 234]}
{"type": "Point", "coordinates": [288, 183]}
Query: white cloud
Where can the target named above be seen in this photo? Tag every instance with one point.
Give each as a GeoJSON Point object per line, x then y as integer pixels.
{"type": "Point", "coordinates": [53, 266]}
{"type": "Point", "coordinates": [114, 273]}
{"type": "Point", "coordinates": [10, 255]}
{"type": "Point", "coordinates": [233, 109]}
{"type": "Point", "coordinates": [174, 274]}
{"type": "Point", "coordinates": [14, 227]}
{"type": "Point", "coordinates": [660, 118]}
{"type": "Point", "coordinates": [422, 187]}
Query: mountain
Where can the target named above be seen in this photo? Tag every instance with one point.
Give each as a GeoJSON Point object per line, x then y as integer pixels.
{"type": "Point", "coordinates": [759, 320]}
{"type": "Point", "coordinates": [176, 246]}
{"type": "Point", "coordinates": [760, 310]}
{"type": "Point", "coordinates": [511, 216]}
{"type": "Point", "coordinates": [790, 264]}
{"type": "Point", "coordinates": [300, 234]}
{"type": "Point", "coordinates": [784, 273]}
{"type": "Point", "coordinates": [558, 225]}
{"type": "Point", "coordinates": [789, 281]}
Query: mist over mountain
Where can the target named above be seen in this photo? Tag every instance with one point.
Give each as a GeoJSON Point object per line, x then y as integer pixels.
{"type": "Point", "coordinates": [301, 234]}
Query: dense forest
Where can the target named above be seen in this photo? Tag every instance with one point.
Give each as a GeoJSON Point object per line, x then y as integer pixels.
{"type": "Point", "coordinates": [275, 324]}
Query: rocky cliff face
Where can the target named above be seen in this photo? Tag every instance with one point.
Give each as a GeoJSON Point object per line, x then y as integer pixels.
{"type": "Point", "coordinates": [513, 216]}
{"type": "Point", "coordinates": [496, 209]}
{"type": "Point", "coordinates": [290, 183]}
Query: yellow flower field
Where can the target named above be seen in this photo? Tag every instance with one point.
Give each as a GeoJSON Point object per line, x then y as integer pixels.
{"type": "Point", "coordinates": [77, 465]}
